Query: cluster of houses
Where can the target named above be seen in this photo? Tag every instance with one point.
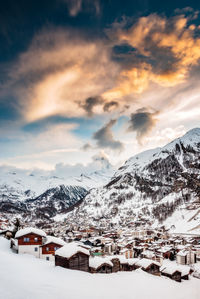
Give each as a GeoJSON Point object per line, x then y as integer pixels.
{"type": "Point", "coordinates": [111, 252]}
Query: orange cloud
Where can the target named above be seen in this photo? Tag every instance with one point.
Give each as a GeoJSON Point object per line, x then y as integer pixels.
{"type": "Point", "coordinates": [62, 71]}
{"type": "Point", "coordinates": [169, 43]}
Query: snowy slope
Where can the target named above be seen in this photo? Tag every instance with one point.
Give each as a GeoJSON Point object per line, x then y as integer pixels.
{"type": "Point", "coordinates": [150, 187]}
{"type": "Point", "coordinates": [26, 277]}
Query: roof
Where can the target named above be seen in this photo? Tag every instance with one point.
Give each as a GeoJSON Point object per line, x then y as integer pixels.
{"type": "Point", "coordinates": [51, 239]}
{"type": "Point", "coordinates": [71, 249]}
{"type": "Point", "coordinates": [170, 269]}
{"type": "Point", "coordinates": [96, 262]}
{"type": "Point", "coordinates": [29, 230]}
{"type": "Point", "coordinates": [145, 263]}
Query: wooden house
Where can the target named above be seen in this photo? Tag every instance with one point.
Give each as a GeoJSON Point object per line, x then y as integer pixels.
{"type": "Point", "coordinates": [72, 256]}
{"type": "Point", "coordinates": [100, 265]}
{"type": "Point", "coordinates": [149, 266]}
{"type": "Point", "coordinates": [172, 272]}
{"type": "Point", "coordinates": [29, 240]}
{"type": "Point", "coordinates": [49, 247]}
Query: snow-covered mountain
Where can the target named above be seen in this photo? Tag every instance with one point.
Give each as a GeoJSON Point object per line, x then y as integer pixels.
{"type": "Point", "coordinates": [157, 186]}
{"type": "Point", "coordinates": [45, 194]}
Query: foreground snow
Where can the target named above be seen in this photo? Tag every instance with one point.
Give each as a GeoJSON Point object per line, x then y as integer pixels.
{"type": "Point", "coordinates": [25, 277]}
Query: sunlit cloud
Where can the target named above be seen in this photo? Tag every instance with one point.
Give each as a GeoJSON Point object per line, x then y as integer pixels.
{"type": "Point", "coordinates": [164, 52]}
{"type": "Point", "coordinates": [60, 71]}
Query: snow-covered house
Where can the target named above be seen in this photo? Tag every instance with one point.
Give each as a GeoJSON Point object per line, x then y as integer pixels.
{"type": "Point", "coordinates": [172, 272]}
{"type": "Point", "coordinates": [128, 253]}
{"type": "Point", "coordinates": [29, 240]}
{"type": "Point", "coordinates": [186, 257]}
{"type": "Point", "coordinates": [176, 272]}
{"type": "Point", "coordinates": [48, 248]}
{"type": "Point", "coordinates": [100, 265]}
{"type": "Point", "coordinates": [149, 266]}
{"type": "Point", "coordinates": [72, 256]}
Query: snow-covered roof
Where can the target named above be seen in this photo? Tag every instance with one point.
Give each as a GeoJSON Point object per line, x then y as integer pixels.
{"type": "Point", "coordinates": [70, 249]}
{"type": "Point", "coordinates": [29, 230]}
{"type": "Point", "coordinates": [170, 269]}
{"type": "Point", "coordinates": [51, 239]}
{"type": "Point", "coordinates": [182, 253]}
{"type": "Point", "coordinates": [145, 263]}
{"type": "Point", "coordinates": [96, 262]}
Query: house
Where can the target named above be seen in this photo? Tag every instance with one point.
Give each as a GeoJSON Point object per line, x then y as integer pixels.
{"type": "Point", "coordinates": [48, 248]}
{"type": "Point", "coordinates": [149, 266]}
{"type": "Point", "coordinates": [172, 272]}
{"type": "Point", "coordinates": [100, 265]}
{"type": "Point", "coordinates": [186, 257]}
{"type": "Point", "coordinates": [72, 256]}
{"type": "Point", "coordinates": [128, 253]}
{"type": "Point", "coordinates": [29, 240]}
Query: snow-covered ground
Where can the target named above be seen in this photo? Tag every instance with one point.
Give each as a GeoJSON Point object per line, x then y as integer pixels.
{"type": "Point", "coordinates": [25, 277]}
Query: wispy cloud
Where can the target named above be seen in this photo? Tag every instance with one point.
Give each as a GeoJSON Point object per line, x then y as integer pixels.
{"type": "Point", "coordinates": [77, 6]}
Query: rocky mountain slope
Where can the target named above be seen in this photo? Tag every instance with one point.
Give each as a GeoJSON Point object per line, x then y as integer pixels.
{"type": "Point", "coordinates": [151, 188]}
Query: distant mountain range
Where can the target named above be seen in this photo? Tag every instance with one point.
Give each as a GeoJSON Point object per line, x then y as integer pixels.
{"type": "Point", "coordinates": [36, 194]}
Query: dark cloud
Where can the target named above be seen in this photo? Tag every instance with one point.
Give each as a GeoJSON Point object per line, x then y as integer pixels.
{"type": "Point", "coordinates": [105, 139]}
{"type": "Point", "coordinates": [86, 147]}
{"type": "Point", "coordinates": [110, 106]}
{"type": "Point", "coordinates": [142, 122]}
{"type": "Point", "coordinates": [90, 103]}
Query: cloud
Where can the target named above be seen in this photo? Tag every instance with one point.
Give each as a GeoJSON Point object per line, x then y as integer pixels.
{"type": "Point", "coordinates": [142, 122]}
{"type": "Point", "coordinates": [158, 49]}
{"type": "Point", "coordinates": [86, 147]}
{"type": "Point", "coordinates": [91, 103]}
{"type": "Point", "coordinates": [109, 106]}
{"type": "Point", "coordinates": [58, 71]}
{"type": "Point", "coordinates": [77, 6]}
{"type": "Point", "coordinates": [99, 161]}
{"type": "Point", "coordinates": [105, 138]}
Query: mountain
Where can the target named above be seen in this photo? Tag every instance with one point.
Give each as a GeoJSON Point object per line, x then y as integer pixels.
{"type": "Point", "coordinates": [156, 187]}
{"type": "Point", "coordinates": [43, 194]}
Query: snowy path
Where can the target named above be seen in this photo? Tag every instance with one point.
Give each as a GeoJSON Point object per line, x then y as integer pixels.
{"type": "Point", "coordinates": [25, 277]}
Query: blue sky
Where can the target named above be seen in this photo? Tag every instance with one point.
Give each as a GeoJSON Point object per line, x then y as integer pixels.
{"type": "Point", "coordinates": [81, 78]}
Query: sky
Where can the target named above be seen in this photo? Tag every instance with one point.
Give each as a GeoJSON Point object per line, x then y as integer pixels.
{"type": "Point", "coordinates": [87, 78]}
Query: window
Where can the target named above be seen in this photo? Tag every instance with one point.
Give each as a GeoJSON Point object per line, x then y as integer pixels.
{"type": "Point", "coordinates": [47, 248]}
{"type": "Point", "coordinates": [26, 239]}
{"type": "Point", "coordinates": [36, 249]}
{"type": "Point", "coordinates": [36, 239]}
{"type": "Point", "coordinates": [47, 258]}
{"type": "Point", "coordinates": [55, 248]}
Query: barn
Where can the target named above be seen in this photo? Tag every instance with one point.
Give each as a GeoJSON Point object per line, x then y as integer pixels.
{"type": "Point", "coordinates": [149, 266]}
{"type": "Point", "coordinates": [172, 272]}
{"type": "Point", "coordinates": [99, 264]}
{"type": "Point", "coordinates": [72, 256]}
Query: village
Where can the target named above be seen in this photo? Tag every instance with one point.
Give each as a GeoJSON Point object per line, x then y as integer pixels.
{"type": "Point", "coordinates": [93, 250]}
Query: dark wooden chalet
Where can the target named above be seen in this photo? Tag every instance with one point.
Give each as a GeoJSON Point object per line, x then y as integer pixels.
{"type": "Point", "coordinates": [174, 275]}
{"type": "Point", "coordinates": [100, 265]}
{"type": "Point", "coordinates": [149, 266]}
{"type": "Point", "coordinates": [72, 257]}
